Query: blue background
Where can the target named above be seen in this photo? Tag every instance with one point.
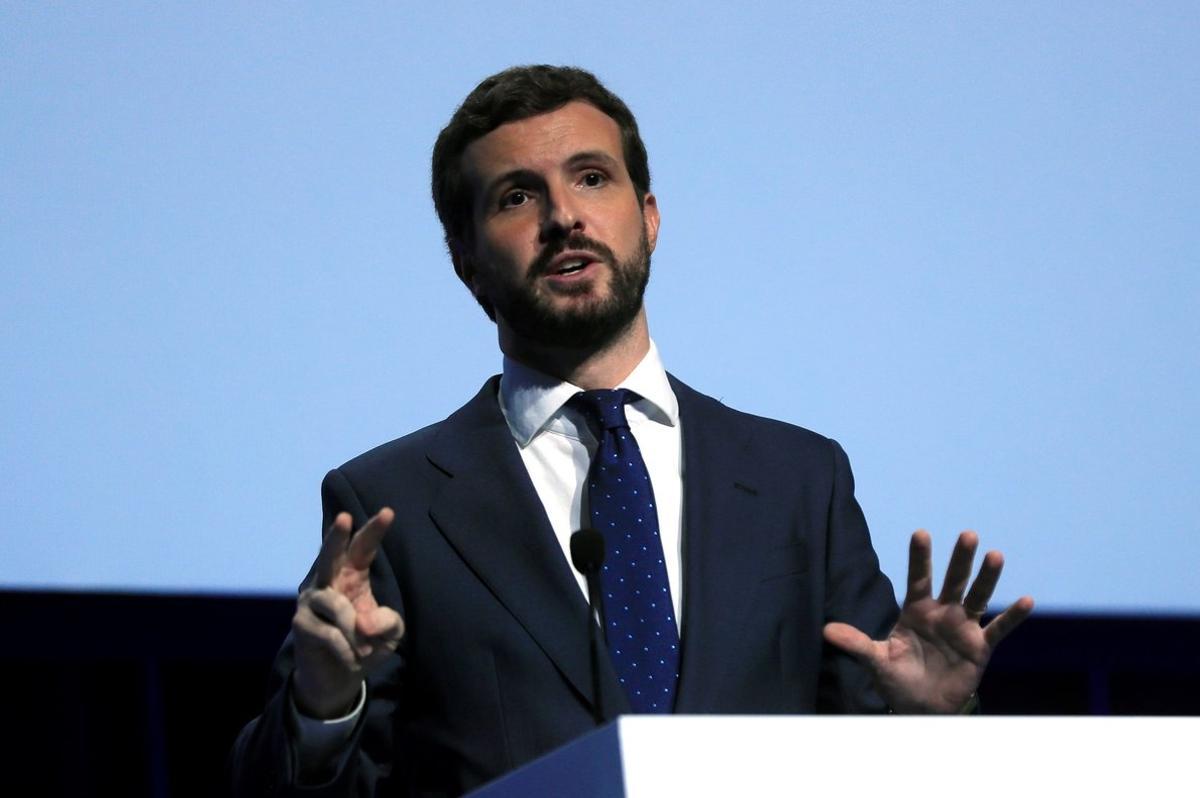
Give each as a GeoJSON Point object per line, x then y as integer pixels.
{"type": "Point", "coordinates": [963, 240]}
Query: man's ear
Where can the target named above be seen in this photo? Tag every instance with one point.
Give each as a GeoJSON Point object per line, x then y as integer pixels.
{"type": "Point", "coordinates": [650, 219]}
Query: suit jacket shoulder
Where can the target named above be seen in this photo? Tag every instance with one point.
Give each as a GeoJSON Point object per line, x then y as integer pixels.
{"type": "Point", "coordinates": [411, 453]}
{"type": "Point", "coordinates": [766, 436]}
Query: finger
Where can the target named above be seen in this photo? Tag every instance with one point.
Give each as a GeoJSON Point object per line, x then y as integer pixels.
{"type": "Point", "coordinates": [316, 631]}
{"type": "Point", "coordinates": [1005, 622]}
{"type": "Point", "coordinates": [977, 599]}
{"type": "Point", "coordinates": [365, 542]}
{"type": "Point", "coordinates": [335, 644]}
{"type": "Point", "coordinates": [851, 640]}
{"type": "Point", "coordinates": [333, 547]}
{"type": "Point", "coordinates": [920, 567]}
{"type": "Point", "coordinates": [334, 608]}
{"type": "Point", "coordinates": [381, 627]}
{"type": "Point", "coordinates": [958, 572]}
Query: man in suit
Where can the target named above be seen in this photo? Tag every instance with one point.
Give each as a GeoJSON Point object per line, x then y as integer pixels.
{"type": "Point", "coordinates": [445, 641]}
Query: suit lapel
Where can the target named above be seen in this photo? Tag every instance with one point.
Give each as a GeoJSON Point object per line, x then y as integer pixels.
{"type": "Point", "coordinates": [720, 570]}
{"type": "Point", "coordinates": [490, 513]}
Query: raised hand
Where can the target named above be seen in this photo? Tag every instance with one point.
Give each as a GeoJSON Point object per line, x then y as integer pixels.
{"type": "Point", "coordinates": [340, 631]}
{"type": "Point", "coordinates": [935, 655]}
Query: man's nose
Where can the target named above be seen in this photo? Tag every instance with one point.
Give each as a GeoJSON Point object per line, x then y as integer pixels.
{"type": "Point", "coordinates": [562, 217]}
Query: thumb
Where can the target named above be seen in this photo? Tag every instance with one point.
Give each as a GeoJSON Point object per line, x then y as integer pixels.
{"type": "Point", "coordinates": [382, 624]}
{"type": "Point", "coordinates": [850, 640]}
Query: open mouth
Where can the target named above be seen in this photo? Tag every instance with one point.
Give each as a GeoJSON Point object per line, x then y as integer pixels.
{"type": "Point", "coordinates": [570, 266]}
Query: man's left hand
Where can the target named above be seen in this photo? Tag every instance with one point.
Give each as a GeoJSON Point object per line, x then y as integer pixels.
{"type": "Point", "coordinates": [935, 655]}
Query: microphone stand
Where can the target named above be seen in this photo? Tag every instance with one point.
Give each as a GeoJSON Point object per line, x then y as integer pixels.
{"type": "Point", "coordinates": [587, 555]}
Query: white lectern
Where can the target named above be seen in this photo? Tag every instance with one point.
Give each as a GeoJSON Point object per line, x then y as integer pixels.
{"type": "Point", "coordinates": [827, 757]}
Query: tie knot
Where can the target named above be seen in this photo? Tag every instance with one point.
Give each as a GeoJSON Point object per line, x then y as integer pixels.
{"type": "Point", "coordinates": [604, 407]}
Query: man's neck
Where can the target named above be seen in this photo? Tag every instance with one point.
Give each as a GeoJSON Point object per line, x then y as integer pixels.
{"type": "Point", "coordinates": [590, 368]}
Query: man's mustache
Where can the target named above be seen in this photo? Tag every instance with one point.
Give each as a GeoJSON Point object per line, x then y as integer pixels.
{"type": "Point", "coordinates": [576, 241]}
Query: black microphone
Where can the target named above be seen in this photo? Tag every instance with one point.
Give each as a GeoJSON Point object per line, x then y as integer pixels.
{"type": "Point", "coordinates": [587, 555]}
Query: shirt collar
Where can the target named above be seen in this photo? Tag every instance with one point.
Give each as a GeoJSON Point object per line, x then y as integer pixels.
{"type": "Point", "coordinates": [530, 400]}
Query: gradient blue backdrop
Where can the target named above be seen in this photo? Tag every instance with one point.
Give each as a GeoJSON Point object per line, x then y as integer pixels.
{"type": "Point", "coordinates": [962, 239]}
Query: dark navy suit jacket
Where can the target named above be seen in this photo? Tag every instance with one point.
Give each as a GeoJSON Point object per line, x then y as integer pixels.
{"type": "Point", "coordinates": [493, 670]}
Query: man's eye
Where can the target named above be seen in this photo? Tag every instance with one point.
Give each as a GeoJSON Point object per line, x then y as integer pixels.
{"type": "Point", "coordinates": [594, 179]}
{"type": "Point", "coordinates": [513, 198]}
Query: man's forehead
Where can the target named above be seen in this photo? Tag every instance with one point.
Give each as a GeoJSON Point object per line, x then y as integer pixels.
{"type": "Point", "coordinates": [543, 141]}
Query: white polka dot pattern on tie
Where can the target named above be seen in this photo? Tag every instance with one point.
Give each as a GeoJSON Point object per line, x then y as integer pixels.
{"type": "Point", "coordinates": [642, 635]}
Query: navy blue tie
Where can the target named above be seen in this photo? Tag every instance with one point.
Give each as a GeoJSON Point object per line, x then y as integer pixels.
{"type": "Point", "coordinates": [643, 640]}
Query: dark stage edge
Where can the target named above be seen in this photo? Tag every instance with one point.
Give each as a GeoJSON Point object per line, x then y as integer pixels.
{"type": "Point", "coordinates": [139, 694]}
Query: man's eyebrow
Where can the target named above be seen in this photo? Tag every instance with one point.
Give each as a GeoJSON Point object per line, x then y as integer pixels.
{"type": "Point", "coordinates": [511, 176]}
{"type": "Point", "coordinates": [593, 156]}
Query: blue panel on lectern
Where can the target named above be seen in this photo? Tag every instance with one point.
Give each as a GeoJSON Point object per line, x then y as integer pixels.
{"type": "Point", "coordinates": [590, 767]}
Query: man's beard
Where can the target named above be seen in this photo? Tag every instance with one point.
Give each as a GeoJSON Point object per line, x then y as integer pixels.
{"type": "Point", "coordinates": [587, 325]}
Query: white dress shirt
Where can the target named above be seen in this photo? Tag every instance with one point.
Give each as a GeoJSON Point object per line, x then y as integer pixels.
{"type": "Point", "coordinates": [557, 445]}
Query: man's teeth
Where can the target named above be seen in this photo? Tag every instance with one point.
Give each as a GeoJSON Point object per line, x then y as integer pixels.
{"type": "Point", "coordinates": [571, 266]}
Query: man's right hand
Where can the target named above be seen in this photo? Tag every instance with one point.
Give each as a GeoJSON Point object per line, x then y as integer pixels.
{"type": "Point", "coordinates": [340, 631]}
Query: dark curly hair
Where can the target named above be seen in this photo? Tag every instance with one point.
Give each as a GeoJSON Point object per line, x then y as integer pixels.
{"type": "Point", "coordinates": [518, 93]}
